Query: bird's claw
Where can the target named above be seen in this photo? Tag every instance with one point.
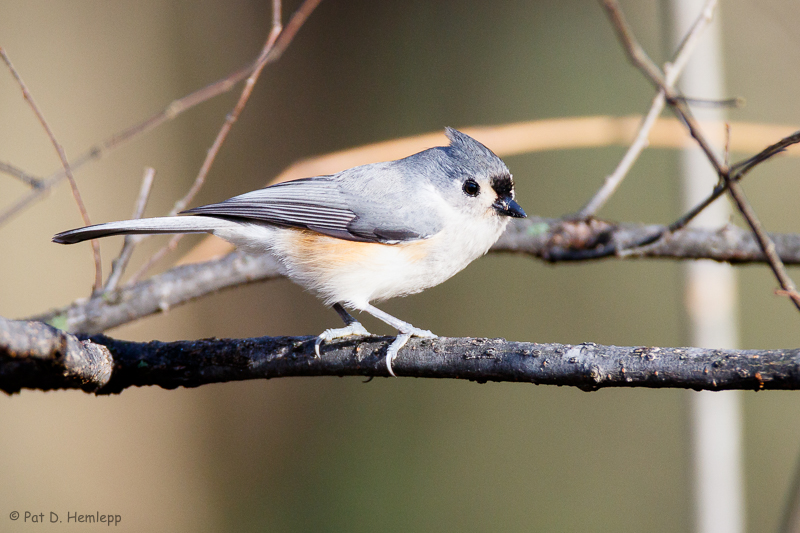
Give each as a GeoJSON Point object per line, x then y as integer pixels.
{"type": "Point", "coordinates": [400, 341]}
{"type": "Point", "coordinates": [354, 329]}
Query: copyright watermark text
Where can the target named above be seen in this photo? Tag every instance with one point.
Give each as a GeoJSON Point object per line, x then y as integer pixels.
{"type": "Point", "coordinates": [70, 517]}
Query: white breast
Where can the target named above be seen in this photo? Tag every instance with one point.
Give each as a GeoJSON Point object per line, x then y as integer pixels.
{"type": "Point", "coordinates": [356, 272]}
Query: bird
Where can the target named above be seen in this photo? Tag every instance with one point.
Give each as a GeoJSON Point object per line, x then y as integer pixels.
{"type": "Point", "coordinates": [363, 235]}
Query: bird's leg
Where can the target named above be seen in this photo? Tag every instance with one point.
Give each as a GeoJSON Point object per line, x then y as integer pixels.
{"type": "Point", "coordinates": [353, 327]}
{"type": "Point", "coordinates": [346, 317]}
{"type": "Point", "coordinates": [405, 332]}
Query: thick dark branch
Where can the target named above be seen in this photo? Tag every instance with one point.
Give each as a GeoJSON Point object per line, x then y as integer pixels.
{"type": "Point", "coordinates": [586, 366]}
{"type": "Point", "coordinates": [37, 356]}
{"type": "Point", "coordinates": [548, 239]}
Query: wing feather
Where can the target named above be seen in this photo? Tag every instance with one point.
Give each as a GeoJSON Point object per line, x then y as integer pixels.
{"type": "Point", "coordinates": [373, 203]}
{"type": "Point", "coordinates": [317, 204]}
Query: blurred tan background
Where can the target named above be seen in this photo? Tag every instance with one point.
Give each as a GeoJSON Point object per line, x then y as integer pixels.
{"type": "Point", "coordinates": [393, 454]}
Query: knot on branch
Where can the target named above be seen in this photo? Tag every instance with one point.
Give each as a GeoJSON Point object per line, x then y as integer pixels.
{"type": "Point", "coordinates": [580, 235]}
{"type": "Point", "coordinates": [38, 356]}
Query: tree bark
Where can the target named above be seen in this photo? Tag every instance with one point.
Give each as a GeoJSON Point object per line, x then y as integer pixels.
{"type": "Point", "coordinates": [66, 362]}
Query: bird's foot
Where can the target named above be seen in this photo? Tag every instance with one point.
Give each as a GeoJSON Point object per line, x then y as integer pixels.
{"type": "Point", "coordinates": [353, 329]}
{"type": "Point", "coordinates": [400, 341]}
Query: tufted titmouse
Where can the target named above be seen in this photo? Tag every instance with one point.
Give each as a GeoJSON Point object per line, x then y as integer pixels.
{"type": "Point", "coordinates": [366, 234]}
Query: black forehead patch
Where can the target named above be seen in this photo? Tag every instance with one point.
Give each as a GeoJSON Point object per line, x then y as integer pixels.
{"type": "Point", "coordinates": [503, 185]}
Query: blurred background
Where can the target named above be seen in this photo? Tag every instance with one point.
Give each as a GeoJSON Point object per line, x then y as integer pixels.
{"type": "Point", "coordinates": [330, 454]}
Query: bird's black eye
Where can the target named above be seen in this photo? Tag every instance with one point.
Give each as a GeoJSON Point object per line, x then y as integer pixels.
{"type": "Point", "coordinates": [471, 187]}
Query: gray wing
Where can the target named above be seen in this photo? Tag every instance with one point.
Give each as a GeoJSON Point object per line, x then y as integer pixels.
{"type": "Point", "coordinates": [342, 206]}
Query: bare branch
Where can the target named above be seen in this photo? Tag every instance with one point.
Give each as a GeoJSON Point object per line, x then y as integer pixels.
{"type": "Point", "coordinates": [736, 101]}
{"type": "Point", "coordinates": [98, 268]}
{"type": "Point", "coordinates": [174, 109]}
{"type": "Point", "coordinates": [295, 23]}
{"type": "Point", "coordinates": [119, 264]}
{"type": "Point", "coordinates": [646, 66]}
{"type": "Point", "coordinates": [159, 293]}
{"type": "Point", "coordinates": [170, 112]}
{"type": "Point", "coordinates": [547, 239]}
{"type": "Point", "coordinates": [790, 521]}
{"type": "Point", "coordinates": [642, 61]}
{"type": "Point", "coordinates": [24, 201]}
{"type": "Point", "coordinates": [155, 258]}
{"type": "Point", "coordinates": [726, 153]}
{"type": "Point", "coordinates": [35, 355]}
{"type": "Point", "coordinates": [586, 366]}
{"type": "Point", "coordinates": [739, 170]}
{"type": "Point", "coordinates": [32, 181]}
{"type": "Point", "coordinates": [232, 117]}
{"type": "Point", "coordinates": [673, 71]}
{"type": "Point", "coordinates": [266, 52]}
{"type": "Point", "coordinates": [554, 240]}
{"type": "Point", "coordinates": [764, 241]}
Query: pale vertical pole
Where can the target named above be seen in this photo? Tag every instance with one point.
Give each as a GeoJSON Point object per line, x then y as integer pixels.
{"type": "Point", "coordinates": [711, 301]}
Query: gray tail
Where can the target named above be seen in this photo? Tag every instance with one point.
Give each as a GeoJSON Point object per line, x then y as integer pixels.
{"type": "Point", "coordinates": [188, 224]}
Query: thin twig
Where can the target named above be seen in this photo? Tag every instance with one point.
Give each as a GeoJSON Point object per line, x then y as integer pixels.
{"type": "Point", "coordinates": [790, 521]}
{"type": "Point", "coordinates": [642, 61]}
{"type": "Point", "coordinates": [791, 294]}
{"type": "Point", "coordinates": [119, 264]}
{"type": "Point", "coordinates": [705, 102]}
{"type": "Point", "coordinates": [98, 269]}
{"type": "Point", "coordinates": [155, 258]}
{"type": "Point", "coordinates": [276, 43]}
{"type": "Point", "coordinates": [230, 119]}
{"type": "Point", "coordinates": [233, 116]}
{"type": "Point", "coordinates": [95, 152]}
{"type": "Point", "coordinates": [144, 192]}
{"type": "Point", "coordinates": [292, 27]}
{"type": "Point", "coordinates": [32, 181]}
{"type": "Point", "coordinates": [764, 241]}
{"type": "Point", "coordinates": [613, 180]}
{"type": "Point", "coordinates": [23, 202]}
{"type": "Point", "coordinates": [672, 72]}
{"type": "Point", "coordinates": [635, 51]}
{"type": "Point", "coordinates": [646, 66]}
{"type": "Point", "coordinates": [168, 113]}
{"type": "Point", "coordinates": [211, 155]}
{"type": "Point", "coordinates": [738, 171]}
{"type": "Point", "coordinates": [726, 154]}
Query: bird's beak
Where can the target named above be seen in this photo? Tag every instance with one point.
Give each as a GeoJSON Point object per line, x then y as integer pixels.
{"type": "Point", "coordinates": [509, 208]}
